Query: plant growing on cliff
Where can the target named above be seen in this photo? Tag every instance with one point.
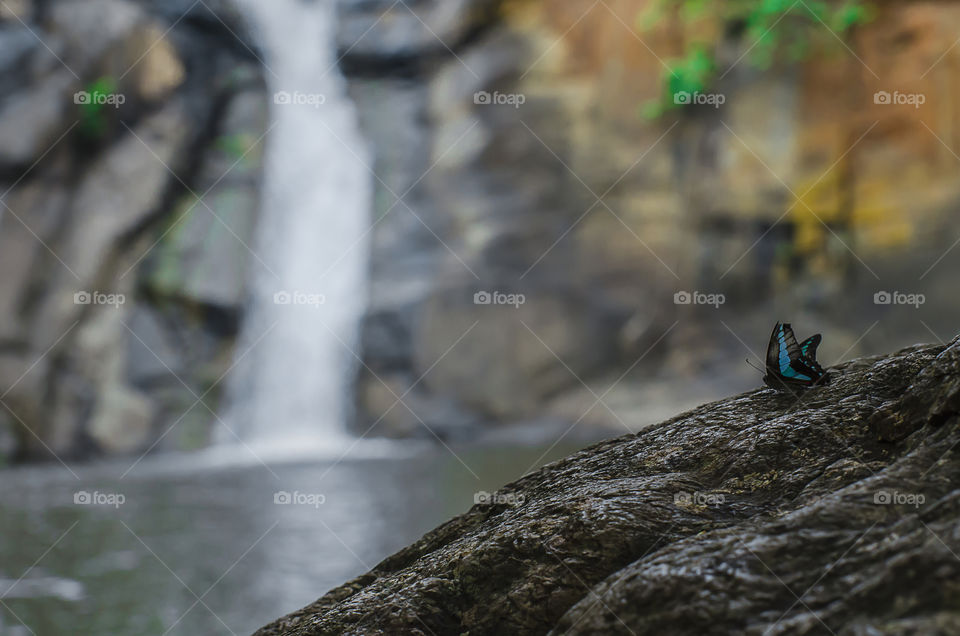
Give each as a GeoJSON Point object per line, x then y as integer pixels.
{"type": "Point", "coordinates": [93, 114]}
{"type": "Point", "coordinates": [236, 146]}
{"type": "Point", "coordinates": [767, 32]}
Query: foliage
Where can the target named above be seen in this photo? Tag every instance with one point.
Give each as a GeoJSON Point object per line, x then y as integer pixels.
{"type": "Point", "coordinates": [771, 31]}
{"type": "Point", "coordinates": [93, 114]}
{"type": "Point", "coordinates": [234, 146]}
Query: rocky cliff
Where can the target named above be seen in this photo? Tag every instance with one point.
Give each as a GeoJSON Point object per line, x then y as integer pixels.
{"type": "Point", "coordinates": [833, 513]}
{"type": "Point", "coordinates": [513, 132]}
{"type": "Point", "coordinates": [130, 157]}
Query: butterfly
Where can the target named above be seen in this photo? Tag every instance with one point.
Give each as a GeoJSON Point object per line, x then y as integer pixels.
{"type": "Point", "coordinates": [792, 366]}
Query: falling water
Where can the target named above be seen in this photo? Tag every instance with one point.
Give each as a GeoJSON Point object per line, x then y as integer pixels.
{"type": "Point", "coordinates": [295, 355]}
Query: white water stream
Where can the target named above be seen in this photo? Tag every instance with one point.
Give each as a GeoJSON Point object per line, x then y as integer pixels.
{"type": "Point", "coordinates": [295, 357]}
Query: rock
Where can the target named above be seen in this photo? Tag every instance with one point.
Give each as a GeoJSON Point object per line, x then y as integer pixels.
{"type": "Point", "coordinates": [387, 417]}
{"type": "Point", "coordinates": [486, 195]}
{"type": "Point", "coordinates": [118, 196]}
{"type": "Point", "coordinates": [420, 414]}
{"type": "Point", "coordinates": [759, 513]}
{"type": "Point", "coordinates": [407, 255]}
{"type": "Point", "coordinates": [120, 41]}
{"type": "Point", "coordinates": [85, 218]}
{"type": "Point", "coordinates": [90, 28]}
{"type": "Point", "coordinates": [8, 439]}
{"type": "Point", "coordinates": [17, 49]}
{"type": "Point", "coordinates": [32, 120]}
{"type": "Point", "coordinates": [122, 189]}
{"type": "Point", "coordinates": [16, 10]}
{"type": "Point", "coordinates": [121, 422]}
{"type": "Point", "coordinates": [503, 359]}
{"type": "Point", "coordinates": [152, 354]}
{"type": "Point", "coordinates": [153, 62]}
{"type": "Point", "coordinates": [386, 335]}
{"type": "Point", "coordinates": [91, 399]}
{"type": "Point", "coordinates": [491, 61]}
{"type": "Point", "coordinates": [220, 17]}
{"type": "Point", "coordinates": [19, 405]}
{"type": "Point", "coordinates": [33, 210]}
{"type": "Point", "coordinates": [401, 31]}
{"type": "Point", "coordinates": [793, 189]}
{"type": "Point", "coordinates": [203, 254]}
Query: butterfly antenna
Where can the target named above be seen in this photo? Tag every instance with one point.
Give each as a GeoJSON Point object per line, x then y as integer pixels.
{"type": "Point", "coordinates": [754, 366]}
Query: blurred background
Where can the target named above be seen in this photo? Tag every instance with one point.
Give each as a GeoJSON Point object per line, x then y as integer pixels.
{"type": "Point", "coordinates": [283, 285]}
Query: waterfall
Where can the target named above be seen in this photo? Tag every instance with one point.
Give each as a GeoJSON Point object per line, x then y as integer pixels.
{"type": "Point", "coordinates": [294, 360]}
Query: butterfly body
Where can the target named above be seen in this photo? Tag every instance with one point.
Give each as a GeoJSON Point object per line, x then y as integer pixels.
{"type": "Point", "coordinates": [790, 366]}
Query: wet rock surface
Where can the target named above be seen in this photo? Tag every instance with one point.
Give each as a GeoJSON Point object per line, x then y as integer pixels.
{"type": "Point", "coordinates": [756, 514]}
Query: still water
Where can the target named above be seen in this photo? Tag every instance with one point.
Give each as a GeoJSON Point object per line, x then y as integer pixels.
{"type": "Point", "coordinates": [178, 546]}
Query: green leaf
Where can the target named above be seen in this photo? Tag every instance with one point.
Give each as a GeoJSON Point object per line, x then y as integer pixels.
{"type": "Point", "coordinates": [773, 29]}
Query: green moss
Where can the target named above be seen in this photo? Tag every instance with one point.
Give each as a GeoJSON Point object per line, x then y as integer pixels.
{"type": "Point", "coordinates": [167, 275]}
{"type": "Point", "coordinates": [93, 114]}
{"type": "Point", "coordinates": [235, 146]}
{"type": "Point", "coordinates": [772, 30]}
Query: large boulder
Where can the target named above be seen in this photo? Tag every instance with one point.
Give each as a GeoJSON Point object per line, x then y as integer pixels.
{"type": "Point", "coordinates": [763, 513]}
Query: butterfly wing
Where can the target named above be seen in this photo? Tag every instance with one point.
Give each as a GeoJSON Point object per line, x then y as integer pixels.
{"type": "Point", "coordinates": [787, 366]}
{"type": "Point", "coordinates": [793, 365]}
{"type": "Point", "coordinates": [809, 346]}
{"type": "Point", "coordinates": [773, 351]}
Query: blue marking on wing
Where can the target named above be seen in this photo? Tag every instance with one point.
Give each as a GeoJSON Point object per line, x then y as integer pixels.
{"type": "Point", "coordinates": [786, 370]}
{"type": "Point", "coordinates": [784, 360]}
